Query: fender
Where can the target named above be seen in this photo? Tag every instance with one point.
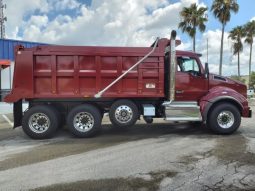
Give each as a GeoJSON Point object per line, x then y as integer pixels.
{"type": "Point", "coordinates": [220, 93]}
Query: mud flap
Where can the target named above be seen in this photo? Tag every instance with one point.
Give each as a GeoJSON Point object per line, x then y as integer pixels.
{"type": "Point", "coordinates": [17, 113]}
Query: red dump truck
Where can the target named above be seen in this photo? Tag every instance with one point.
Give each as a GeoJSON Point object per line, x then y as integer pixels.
{"type": "Point", "coordinates": [75, 86]}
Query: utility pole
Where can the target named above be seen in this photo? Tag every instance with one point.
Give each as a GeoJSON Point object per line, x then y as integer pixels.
{"type": "Point", "coordinates": [3, 19]}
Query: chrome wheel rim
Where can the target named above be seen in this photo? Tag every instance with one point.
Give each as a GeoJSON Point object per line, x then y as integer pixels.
{"type": "Point", "coordinates": [39, 122]}
{"type": "Point", "coordinates": [226, 119]}
{"type": "Point", "coordinates": [83, 121]}
{"type": "Point", "coordinates": [123, 114]}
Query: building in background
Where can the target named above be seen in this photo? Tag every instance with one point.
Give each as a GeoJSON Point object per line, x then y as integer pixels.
{"type": "Point", "coordinates": [7, 53]}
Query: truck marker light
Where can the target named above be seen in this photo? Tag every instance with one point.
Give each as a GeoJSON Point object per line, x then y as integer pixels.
{"type": "Point", "coordinates": [19, 52]}
{"type": "Point", "coordinates": [150, 86]}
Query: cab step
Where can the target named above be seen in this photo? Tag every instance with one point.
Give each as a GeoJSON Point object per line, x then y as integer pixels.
{"type": "Point", "coordinates": [182, 111]}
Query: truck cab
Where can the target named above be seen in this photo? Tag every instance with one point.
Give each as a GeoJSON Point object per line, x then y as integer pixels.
{"type": "Point", "coordinates": [191, 80]}
{"type": "Point", "coordinates": [218, 101]}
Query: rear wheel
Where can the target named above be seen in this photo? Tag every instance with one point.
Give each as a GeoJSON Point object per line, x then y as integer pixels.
{"type": "Point", "coordinates": [123, 113]}
{"type": "Point", "coordinates": [40, 122]}
{"type": "Point", "coordinates": [224, 119]}
{"type": "Point", "coordinates": [84, 121]}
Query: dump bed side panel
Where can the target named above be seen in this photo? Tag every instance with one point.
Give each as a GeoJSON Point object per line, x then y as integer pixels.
{"type": "Point", "coordinates": [84, 76]}
{"type": "Point", "coordinates": [78, 72]}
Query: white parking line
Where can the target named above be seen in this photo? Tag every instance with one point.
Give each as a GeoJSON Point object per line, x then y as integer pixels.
{"type": "Point", "coordinates": [7, 119]}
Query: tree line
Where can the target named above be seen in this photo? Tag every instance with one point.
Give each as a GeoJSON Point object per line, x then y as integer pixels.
{"type": "Point", "coordinates": [194, 18]}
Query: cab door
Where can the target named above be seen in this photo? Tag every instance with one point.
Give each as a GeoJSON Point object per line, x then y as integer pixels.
{"type": "Point", "coordinates": [191, 83]}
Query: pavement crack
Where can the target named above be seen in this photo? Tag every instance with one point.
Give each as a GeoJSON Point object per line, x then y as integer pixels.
{"type": "Point", "coordinates": [219, 182]}
{"type": "Point", "coordinates": [241, 181]}
{"type": "Point", "coordinates": [198, 177]}
{"type": "Point", "coordinates": [236, 171]}
{"type": "Point", "coordinates": [180, 186]}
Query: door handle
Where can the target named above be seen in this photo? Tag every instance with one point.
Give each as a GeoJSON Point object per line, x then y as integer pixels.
{"type": "Point", "coordinates": [179, 91]}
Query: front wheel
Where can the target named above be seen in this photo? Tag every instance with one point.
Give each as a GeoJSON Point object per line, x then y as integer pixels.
{"type": "Point", "coordinates": [224, 118]}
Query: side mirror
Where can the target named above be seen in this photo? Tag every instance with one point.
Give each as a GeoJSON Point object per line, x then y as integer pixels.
{"type": "Point", "coordinates": [206, 70]}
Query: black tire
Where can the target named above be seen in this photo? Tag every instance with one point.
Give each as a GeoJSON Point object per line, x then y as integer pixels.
{"type": "Point", "coordinates": [231, 112]}
{"type": "Point", "coordinates": [44, 114]}
{"type": "Point", "coordinates": [148, 120]}
{"type": "Point", "coordinates": [84, 114]}
{"type": "Point", "coordinates": [125, 121]}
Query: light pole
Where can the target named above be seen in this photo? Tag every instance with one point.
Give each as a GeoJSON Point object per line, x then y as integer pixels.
{"type": "Point", "coordinates": [2, 19]}
{"type": "Point", "coordinates": [2, 35]}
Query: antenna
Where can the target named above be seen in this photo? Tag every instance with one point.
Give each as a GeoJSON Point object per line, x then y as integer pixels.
{"type": "Point", "coordinates": [2, 19]}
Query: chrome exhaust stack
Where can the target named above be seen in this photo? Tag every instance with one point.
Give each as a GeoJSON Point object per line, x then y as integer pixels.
{"type": "Point", "coordinates": [172, 66]}
{"type": "Point", "coordinates": [178, 110]}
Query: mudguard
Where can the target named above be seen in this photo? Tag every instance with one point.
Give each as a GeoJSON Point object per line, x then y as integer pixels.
{"type": "Point", "coordinates": [17, 113]}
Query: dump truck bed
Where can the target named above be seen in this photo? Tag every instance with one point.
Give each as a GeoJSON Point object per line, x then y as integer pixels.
{"type": "Point", "coordinates": [78, 72]}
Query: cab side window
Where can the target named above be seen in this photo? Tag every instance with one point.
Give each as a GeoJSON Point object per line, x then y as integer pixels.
{"type": "Point", "coordinates": [189, 65]}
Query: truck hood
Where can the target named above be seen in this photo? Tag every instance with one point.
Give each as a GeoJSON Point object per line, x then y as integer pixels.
{"type": "Point", "coordinates": [217, 80]}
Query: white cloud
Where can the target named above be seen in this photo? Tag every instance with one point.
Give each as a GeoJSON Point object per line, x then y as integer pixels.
{"type": "Point", "coordinates": [229, 61]}
{"type": "Point", "coordinates": [163, 17]}
{"type": "Point", "coordinates": [184, 45]}
{"type": "Point", "coordinates": [32, 31]}
{"type": "Point", "coordinates": [14, 34]}
{"type": "Point", "coordinates": [114, 23]}
{"type": "Point", "coordinates": [38, 20]}
{"type": "Point", "coordinates": [17, 13]}
{"type": "Point", "coordinates": [65, 4]}
{"type": "Point", "coordinates": [103, 23]}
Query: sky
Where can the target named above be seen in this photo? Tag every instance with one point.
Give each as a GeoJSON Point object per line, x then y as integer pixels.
{"type": "Point", "coordinates": [124, 23]}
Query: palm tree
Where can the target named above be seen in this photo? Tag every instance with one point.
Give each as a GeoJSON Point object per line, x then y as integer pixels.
{"type": "Point", "coordinates": [222, 11]}
{"type": "Point", "coordinates": [250, 33]}
{"type": "Point", "coordinates": [193, 17]}
{"type": "Point", "coordinates": [236, 35]}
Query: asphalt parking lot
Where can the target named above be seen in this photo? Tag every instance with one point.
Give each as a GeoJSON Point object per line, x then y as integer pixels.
{"type": "Point", "coordinates": [160, 156]}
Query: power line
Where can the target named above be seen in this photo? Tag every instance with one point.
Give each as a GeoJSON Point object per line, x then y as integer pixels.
{"type": "Point", "coordinates": [2, 19]}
